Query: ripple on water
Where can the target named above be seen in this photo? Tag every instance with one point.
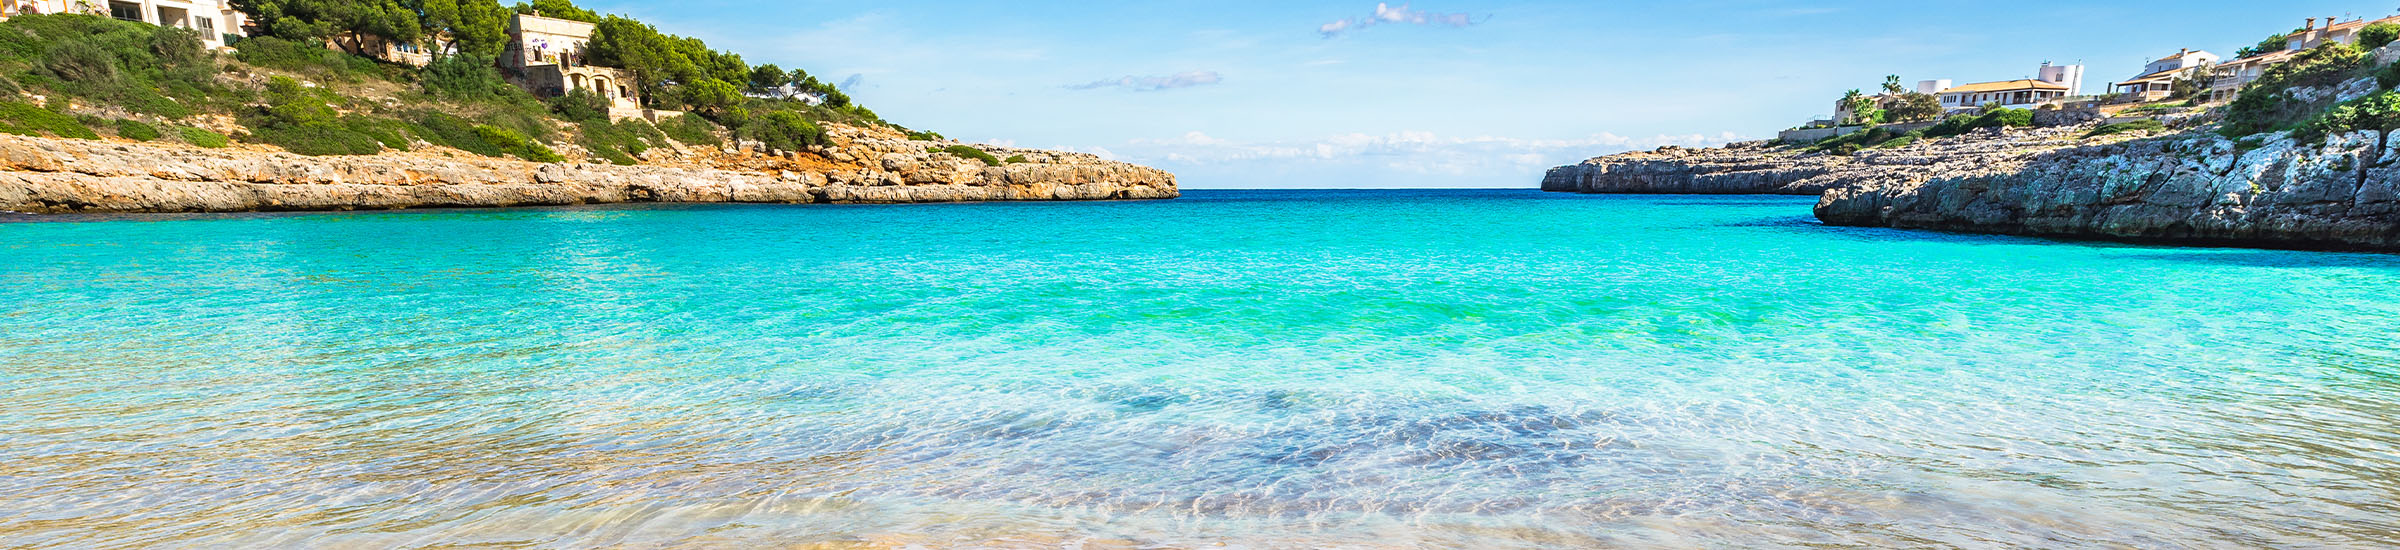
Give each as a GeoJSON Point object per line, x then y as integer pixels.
{"type": "Point", "coordinates": [1355, 370]}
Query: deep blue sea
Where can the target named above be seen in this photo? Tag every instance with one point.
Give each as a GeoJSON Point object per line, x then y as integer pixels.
{"type": "Point", "coordinates": [1251, 369]}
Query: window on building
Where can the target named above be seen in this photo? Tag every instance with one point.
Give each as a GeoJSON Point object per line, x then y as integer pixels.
{"type": "Point", "coordinates": [208, 27]}
{"type": "Point", "coordinates": [128, 12]}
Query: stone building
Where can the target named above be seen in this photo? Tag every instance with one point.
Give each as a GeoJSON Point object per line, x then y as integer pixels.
{"type": "Point", "coordinates": [546, 56]}
{"type": "Point", "coordinates": [2158, 77]}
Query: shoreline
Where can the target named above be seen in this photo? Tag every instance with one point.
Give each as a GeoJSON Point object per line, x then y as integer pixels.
{"type": "Point", "coordinates": [2177, 189]}
{"type": "Point", "coordinates": [44, 176]}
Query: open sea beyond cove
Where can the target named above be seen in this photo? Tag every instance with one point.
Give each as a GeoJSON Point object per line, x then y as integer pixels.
{"type": "Point", "coordinates": [1258, 369]}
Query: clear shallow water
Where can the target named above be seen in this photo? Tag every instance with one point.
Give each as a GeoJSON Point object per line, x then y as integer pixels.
{"type": "Point", "coordinates": [1263, 369]}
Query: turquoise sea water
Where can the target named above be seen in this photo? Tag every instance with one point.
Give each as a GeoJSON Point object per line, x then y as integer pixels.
{"type": "Point", "coordinates": [1487, 369]}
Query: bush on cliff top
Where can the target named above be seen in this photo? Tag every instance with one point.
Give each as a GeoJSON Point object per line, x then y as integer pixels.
{"type": "Point", "coordinates": [142, 68]}
{"type": "Point", "coordinates": [2144, 125]}
{"type": "Point", "coordinates": [963, 151]}
{"type": "Point", "coordinates": [313, 60]}
{"type": "Point", "coordinates": [2265, 105]}
{"type": "Point", "coordinates": [136, 130]}
{"type": "Point", "coordinates": [24, 119]}
{"type": "Point", "coordinates": [2379, 113]}
{"type": "Point", "coordinates": [691, 130]}
{"type": "Point", "coordinates": [516, 144]}
{"type": "Point", "coordinates": [297, 119]}
{"type": "Point", "coordinates": [202, 137]}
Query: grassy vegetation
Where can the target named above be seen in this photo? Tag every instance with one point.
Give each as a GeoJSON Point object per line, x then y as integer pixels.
{"type": "Point", "coordinates": [691, 130]}
{"type": "Point", "coordinates": [2144, 125]}
{"type": "Point", "coordinates": [141, 68]}
{"type": "Point", "coordinates": [2264, 105]}
{"type": "Point", "coordinates": [202, 137]}
{"type": "Point", "coordinates": [1015, 159]}
{"type": "Point", "coordinates": [136, 130]}
{"type": "Point", "coordinates": [515, 144]}
{"type": "Point", "coordinates": [24, 119]}
{"type": "Point", "coordinates": [312, 60]}
{"type": "Point", "coordinates": [963, 151]}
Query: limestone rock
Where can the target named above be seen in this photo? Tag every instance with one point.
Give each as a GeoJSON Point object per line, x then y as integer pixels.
{"type": "Point", "coordinates": [42, 175]}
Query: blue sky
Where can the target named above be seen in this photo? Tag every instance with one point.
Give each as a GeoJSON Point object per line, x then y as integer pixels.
{"type": "Point", "coordinates": [1439, 93]}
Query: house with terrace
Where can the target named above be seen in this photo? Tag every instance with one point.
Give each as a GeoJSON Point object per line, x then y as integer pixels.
{"type": "Point", "coordinates": [2158, 77]}
{"type": "Point", "coordinates": [2233, 75]}
{"type": "Point", "coordinates": [546, 56]}
{"type": "Point", "coordinates": [2006, 93]}
{"type": "Point", "coordinates": [215, 20]}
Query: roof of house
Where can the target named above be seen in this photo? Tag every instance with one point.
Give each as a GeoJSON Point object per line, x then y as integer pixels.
{"type": "Point", "coordinates": [2274, 56]}
{"type": "Point", "coordinates": [2006, 86]}
{"type": "Point", "coordinates": [2186, 53]}
{"type": "Point", "coordinates": [2153, 77]}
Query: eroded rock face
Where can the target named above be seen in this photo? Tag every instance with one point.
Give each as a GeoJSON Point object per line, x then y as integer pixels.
{"type": "Point", "coordinates": [1757, 169]}
{"type": "Point", "coordinates": [2191, 188]}
{"type": "Point", "coordinates": [63, 175]}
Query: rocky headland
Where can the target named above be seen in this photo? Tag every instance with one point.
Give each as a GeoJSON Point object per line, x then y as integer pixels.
{"type": "Point", "coordinates": [2189, 187]}
{"type": "Point", "coordinates": [863, 165]}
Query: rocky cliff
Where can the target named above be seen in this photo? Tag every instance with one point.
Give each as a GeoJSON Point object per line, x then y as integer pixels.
{"type": "Point", "coordinates": [2191, 188]}
{"type": "Point", "coordinates": [2183, 188]}
{"type": "Point", "coordinates": [42, 175]}
{"type": "Point", "coordinates": [1758, 168]}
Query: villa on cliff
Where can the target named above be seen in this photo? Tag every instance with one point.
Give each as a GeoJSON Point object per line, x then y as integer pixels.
{"type": "Point", "coordinates": [2233, 75]}
{"type": "Point", "coordinates": [2050, 84]}
{"type": "Point", "coordinates": [216, 20]}
{"type": "Point", "coordinates": [2007, 93]}
{"type": "Point", "coordinates": [546, 56]}
{"type": "Point", "coordinates": [2158, 78]}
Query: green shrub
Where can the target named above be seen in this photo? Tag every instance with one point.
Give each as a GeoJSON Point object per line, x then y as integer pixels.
{"type": "Point", "coordinates": [2379, 113]}
{"type": "Point", "coordinates": [642, 129]}
{"type": "Point", "coordinates": [449, 130]}
{"type": "Point", "coordinates": [516, 144]}
{"type": "Point", "coordinates": [142, 68]}
{"type": "Point", "coordinates": [136, 130]}
{"type": "Point", "coordinates": [297, 119]}
{"type": "Point", "coordinates": [391, 133]}
{"type": "Point", "coordinates": [202, 137]}
{"type": "Point", "coordinates": [2265, 107]}
{"type": "Point", "coordinates": [2388, 77]}
{"type": "Point", "coordinates": [620, 143]}
{"type": "Point", "coordinates": [785, 131]}
{"type": "Point", "coordinates": [690, 129]}
{"type": "Point", "coordinates": [925, 136]}
{"type": "Point", "coordinates": [466, 77]}
{"type": "Point", "coordinates": [580, 106]}
{"type": "Point", "coordinates": [2144, 125]}
{"type": "Point", "coordinates": [1898, 142]}
{"type": "Point", "coordinates": [967, 152]}
{"type": "Point", "coordinates": [314, 60]}
{"type": "Point", "coordinates": [24, 119]}
{"type": "Point", "coordinates": [2378, 35]}
{"type": "Point", "coordinates": [1958, 125]}
{"type": "Point", "coordinates": [1016, 159]}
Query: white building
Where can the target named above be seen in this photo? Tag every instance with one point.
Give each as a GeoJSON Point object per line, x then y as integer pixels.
{"type": "Point", "coordinates": [2050, 83]}
{"type": "Point", "coordinates": [2070, 75]}
{"type": "Point", "coordinates": [546, 57]}
{"type": "Point", "coordinates": [2018, 94]}
{"type": "Point", "coordinates": [216, 20]}
{"type": "Point", "coordinates": [2158, 78]}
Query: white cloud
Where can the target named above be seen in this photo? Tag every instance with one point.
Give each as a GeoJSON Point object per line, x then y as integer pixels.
{"type": "Point", "coordinates": [1156, 83]}
{"type": "Point", "coordinates": [1403, 15]}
